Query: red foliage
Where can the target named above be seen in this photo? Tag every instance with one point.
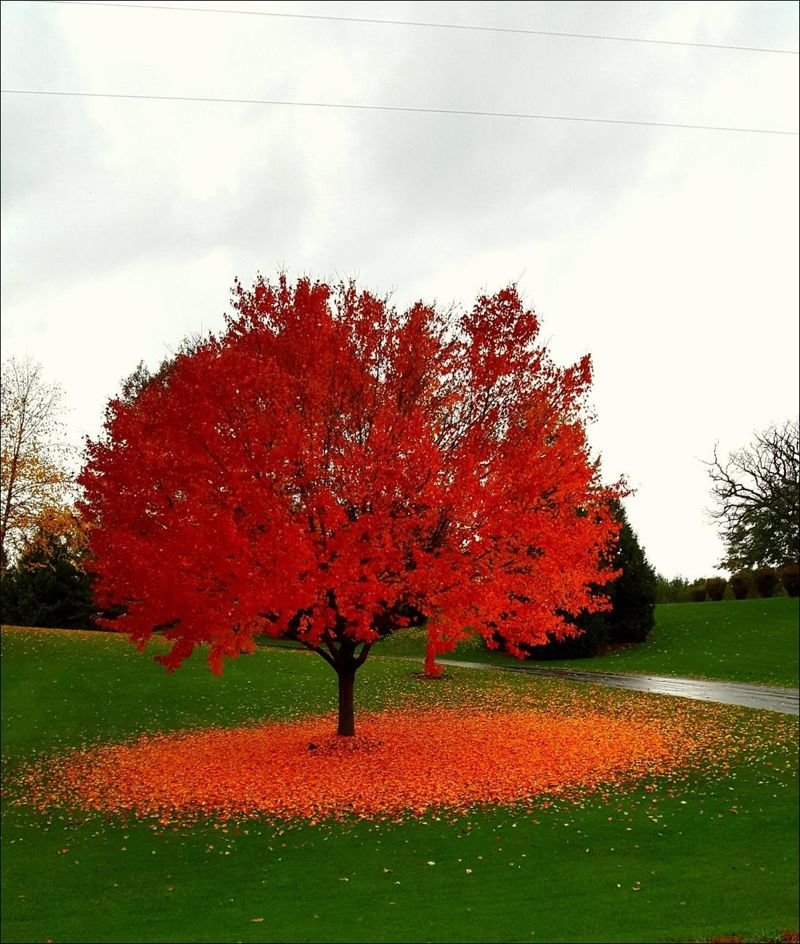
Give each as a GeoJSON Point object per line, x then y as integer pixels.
{"type": "Point", "coordinates": [331, 467]}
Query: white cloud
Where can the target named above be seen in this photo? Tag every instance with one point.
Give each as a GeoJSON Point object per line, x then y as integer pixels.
{"type": "Point", "coordinates": [670, 255]}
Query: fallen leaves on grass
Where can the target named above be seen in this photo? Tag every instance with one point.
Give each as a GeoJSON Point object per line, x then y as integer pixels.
{"type": "Point", "coordinates": [507, 745]}
{"type": "Point", "coordinates": [404, 762]}
{"type": "Point", "coordinates": [782, 937]}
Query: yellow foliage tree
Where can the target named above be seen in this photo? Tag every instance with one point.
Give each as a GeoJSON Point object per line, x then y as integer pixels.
{"type": "Point", "coordinates": [57, 523]}
{"type": "Point", "coordinates": [34, 481]}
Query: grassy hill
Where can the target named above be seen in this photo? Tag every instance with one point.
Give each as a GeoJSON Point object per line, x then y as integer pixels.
{"type": "Point", "coordinates": [734, 640]}
{"type": "Point", "coordinates": [681, 859]}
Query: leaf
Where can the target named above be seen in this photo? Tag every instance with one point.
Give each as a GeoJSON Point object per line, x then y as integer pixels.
{"type": "Point", "coordinates": [360, 469]}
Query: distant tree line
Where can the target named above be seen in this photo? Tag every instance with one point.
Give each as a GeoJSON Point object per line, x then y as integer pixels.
{"type": "Point", "coordinates": [760, 582]}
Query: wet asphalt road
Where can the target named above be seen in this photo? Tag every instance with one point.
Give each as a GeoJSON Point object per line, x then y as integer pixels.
{"type": "Point", "coordinates": [785, 700]}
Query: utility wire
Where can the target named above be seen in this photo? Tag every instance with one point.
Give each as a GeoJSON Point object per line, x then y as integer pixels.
{"type": "Point", "coordinates": [397, 108]}
{"type": "Point", "coordinates": [424, 24]}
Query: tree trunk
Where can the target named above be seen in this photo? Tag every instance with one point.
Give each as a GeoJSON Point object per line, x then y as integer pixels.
{"type": "Point", "coordinates": [347, 722]}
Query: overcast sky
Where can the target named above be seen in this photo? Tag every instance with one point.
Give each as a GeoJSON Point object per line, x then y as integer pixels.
{"type": "Point", "coordinates": [670, 255]}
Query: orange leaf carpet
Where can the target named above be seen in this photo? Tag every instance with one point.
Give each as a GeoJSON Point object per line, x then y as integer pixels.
{"type": "Point", "coordinates": [402, 762]}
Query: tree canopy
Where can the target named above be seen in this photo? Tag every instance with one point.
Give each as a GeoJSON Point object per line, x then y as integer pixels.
{"type": "Point", "coordinates": [33, 479]}
{"type": "Point", "coordinates": [756, 493]}
{"type": "Point", "coordinates": [631, 595]}
{"type": "Point", "coordinates": [330, 467]}
{"type": "Point", "coordinates": [47, 584]}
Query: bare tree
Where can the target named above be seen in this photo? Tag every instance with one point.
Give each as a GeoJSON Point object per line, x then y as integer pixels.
{"type": "Point", "coordinates": [32, 454]}
{"type": "Point", "coordinates": [756, 495]}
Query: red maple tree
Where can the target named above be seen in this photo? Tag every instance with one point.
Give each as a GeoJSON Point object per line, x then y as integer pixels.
{"type": "Point", "coordinates": [332, 469]}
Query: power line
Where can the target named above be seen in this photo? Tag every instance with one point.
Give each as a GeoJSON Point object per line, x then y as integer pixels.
{"type": "Point", "coordinates": [424, 24]}
{"type": "Point", "coordinates": [396, 108]}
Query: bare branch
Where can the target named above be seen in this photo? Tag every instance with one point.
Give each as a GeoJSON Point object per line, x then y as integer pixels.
{"type": "Point", "coordinates": [32, 459]}
{"type": "Point", "coordinates": [756, 494]}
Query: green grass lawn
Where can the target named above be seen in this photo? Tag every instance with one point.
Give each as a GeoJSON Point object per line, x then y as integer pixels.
{"type": "Point", "coordinates": [690, 860]}
{"type": "Point", "coordinates": [734, 640]}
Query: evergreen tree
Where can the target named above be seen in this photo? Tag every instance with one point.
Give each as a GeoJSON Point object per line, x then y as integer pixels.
{"type": "Point", "coordinates": [47, 586]}
{"type": "Point", "coordinates": [632, 596]}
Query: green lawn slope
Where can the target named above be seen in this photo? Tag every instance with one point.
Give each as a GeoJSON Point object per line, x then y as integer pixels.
{"type": "Point", "coordinates": [733, 640]}
{"type": "Point", "coordinates": [692, 859]}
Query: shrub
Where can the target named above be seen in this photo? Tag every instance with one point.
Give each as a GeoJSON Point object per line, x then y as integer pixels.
{"type": "Point", "coordinates": [715, 587]}
{"type": "Point", "coordinates": [697, 592]}
{"type": "Point", "coordinates": [766, 581]}
{"type": "Point", "coordinates": [675, 590]}
{"type": "Point", "coordinates": [741, 583]}
{"type": "Point", "coordinates": [790, 578]}
{"type": "Point", "coordinates": [590, 641]}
